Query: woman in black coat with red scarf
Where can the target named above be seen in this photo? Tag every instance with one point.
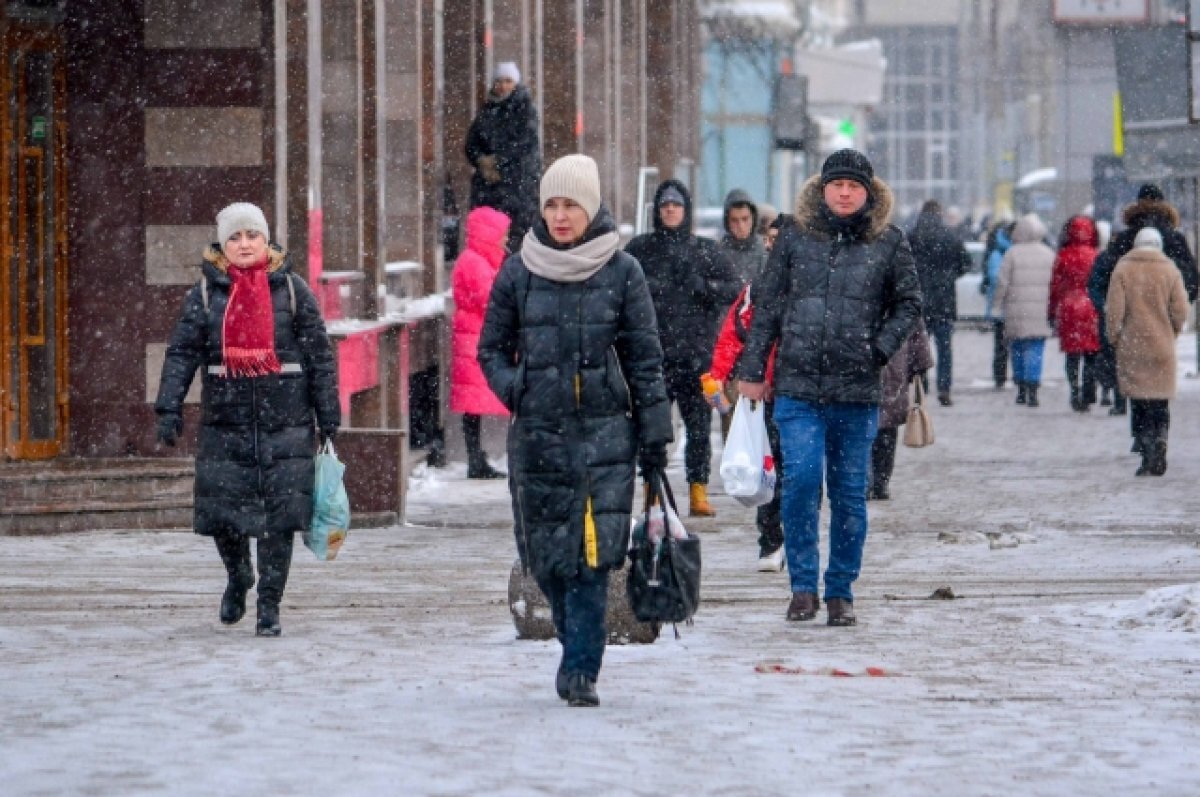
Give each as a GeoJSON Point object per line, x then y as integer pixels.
{"type": "Point", "coordinates": [255, 332]}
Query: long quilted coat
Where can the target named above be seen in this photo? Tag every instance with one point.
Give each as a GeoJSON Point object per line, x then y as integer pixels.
{"type": "Point", "coordinates": [474, 273]}
{"type": "Point", "coordinates": [1074, 316]}
{"type": "Point", "coordinates": [254, 462]}
{"type": "Point", "coordinates": [580, 367]}
{"type": "Point", "coordinates": [1023, 289]}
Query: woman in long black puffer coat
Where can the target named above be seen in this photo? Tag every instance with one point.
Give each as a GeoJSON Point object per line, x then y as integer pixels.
{"type": "Point", "coordinates": [570, 345]}
{"type": "Point", "coordinates": [268, 382]}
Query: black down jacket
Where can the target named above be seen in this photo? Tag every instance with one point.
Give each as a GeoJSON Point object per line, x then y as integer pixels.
{"type": "Point", "coordinates": [579, 366]}
{"type": "Point", "coordinates": [941, 259]}
{"type": "Point", "coordinates": [254, 461]}
{"type": "Point", "coordinates": [839, 299]}
{"type": "Point", "coordinates": [508, 129]}
{"type": "Point", "coordinates": [692, 283]}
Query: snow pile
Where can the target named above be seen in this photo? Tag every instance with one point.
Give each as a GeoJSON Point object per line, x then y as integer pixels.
{"type": "Point", "coordinates": [1175, 608]}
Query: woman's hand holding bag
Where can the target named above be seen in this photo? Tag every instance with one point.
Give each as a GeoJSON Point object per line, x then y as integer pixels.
{"type": "Point", "coordinates": [331, 505]}
{"type": "Point", "coordinates": [747, 466]}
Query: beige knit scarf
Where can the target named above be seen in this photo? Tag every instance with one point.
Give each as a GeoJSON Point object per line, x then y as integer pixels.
{"type": "Point", "coordinates": [568, 265]}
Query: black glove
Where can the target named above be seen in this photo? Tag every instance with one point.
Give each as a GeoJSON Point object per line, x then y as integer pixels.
{"type": "Point", "coordinates": [328, 433]}
{"type": "Point", "coordinates": [881, 358]}
{"type": "Point", "coordinates": [170, 426]}
{"type": "Point", "coordinates": [652, 457]}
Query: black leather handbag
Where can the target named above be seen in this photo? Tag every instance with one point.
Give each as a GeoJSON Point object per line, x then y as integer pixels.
{"type": "Point", "coordinates": [664, 577]}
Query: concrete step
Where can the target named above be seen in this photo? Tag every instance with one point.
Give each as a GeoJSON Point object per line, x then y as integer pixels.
{"type": "Point", "coordinates": [70, 481]}
{"type": "Point", "coordinates": [63, 518]}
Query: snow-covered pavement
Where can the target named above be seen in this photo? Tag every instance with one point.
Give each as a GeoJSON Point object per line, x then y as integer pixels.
{"type": "Point", "coordinates": [1067, 662]}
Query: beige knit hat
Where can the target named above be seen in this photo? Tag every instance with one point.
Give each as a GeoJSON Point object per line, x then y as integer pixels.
{"type": "Point", "coordinates": [576, 178]}
{"type": "Point", "coordinates": [240, 216]}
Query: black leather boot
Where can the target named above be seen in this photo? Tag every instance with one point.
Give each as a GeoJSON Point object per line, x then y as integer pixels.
{"type": "Point", "coordinates": [274, 563]}
{"type": "Point", "coordinates": [581, 691]}
{"type": "Point", "coordinates": [478, 467]}
{"type": "Point", "coordinates": [1020, 392]}
{"type": "Point", "coordinates": [234, 550]}
{"type": "Point", "coordinates": [1031, 398]}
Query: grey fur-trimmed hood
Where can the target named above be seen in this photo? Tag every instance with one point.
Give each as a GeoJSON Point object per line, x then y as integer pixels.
{"type": "Point", "coordinates": [811, 197]}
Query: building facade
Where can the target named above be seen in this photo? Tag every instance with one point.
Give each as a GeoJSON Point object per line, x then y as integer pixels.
{"type": "Point", "coordinates": [128, 125]}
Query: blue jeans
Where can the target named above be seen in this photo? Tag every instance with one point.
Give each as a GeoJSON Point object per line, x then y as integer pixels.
{"type": "Point", "coordinates": [1027, 360]}
{"type": "Point", "coordinates": [578, 605]}
{"type": "Point", "coordinates": [942, 332]}
{"type": "Point", "coordinates": [834, 441]}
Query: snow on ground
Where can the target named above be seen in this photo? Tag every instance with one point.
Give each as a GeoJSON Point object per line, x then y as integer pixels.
{"type": "Point", "coordinates": [1024, 614]}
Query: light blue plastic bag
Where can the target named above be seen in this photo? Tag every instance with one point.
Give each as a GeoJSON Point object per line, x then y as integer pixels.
{"type": "Point", "coordinates": [331, 506]}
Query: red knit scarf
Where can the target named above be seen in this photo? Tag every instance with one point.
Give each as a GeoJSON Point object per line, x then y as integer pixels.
{"type": "Point", "coordinates": [249, 331]}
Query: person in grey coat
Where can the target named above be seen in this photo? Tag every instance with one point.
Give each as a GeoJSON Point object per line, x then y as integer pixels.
{"type": "Point", "coordinates": [570, 345]}
{"type": "Point", "coordinates": [1022, 296]}
{"type": "Point", "coordinates": [269, 382]}
{"type": "Point", "coordinates": [741, 242]}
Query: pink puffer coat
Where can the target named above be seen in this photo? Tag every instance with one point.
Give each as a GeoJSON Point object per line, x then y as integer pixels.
{"type": "Point", "coordinates": [474, 272]}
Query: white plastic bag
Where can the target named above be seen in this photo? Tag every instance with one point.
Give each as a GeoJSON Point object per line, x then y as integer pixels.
{"type": "Point", "coordinates": [331, 506]}
{"type": "Point", "coordinates": [746, 464]}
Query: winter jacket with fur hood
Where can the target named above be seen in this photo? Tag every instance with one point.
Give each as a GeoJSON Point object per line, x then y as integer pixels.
{"type": "Point", "coordinates": [580, 367]}
{"type": "Point", "coordinates": [1023, 289]}
{"type": "Point", "coordinates": [840, 296]}
{"type": "Point", "coordinates": [1145, 311]}
{"type": "Point", "coordinates": [1156, 213]}
{"type": "Point", "coordinates": [691, 282]}
{"type": "Point", "coordinates": [254, 460]}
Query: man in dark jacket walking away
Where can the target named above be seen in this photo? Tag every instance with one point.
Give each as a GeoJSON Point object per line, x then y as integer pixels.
{"type": "Point", "coordinates": [692, 284]}
{"type": "Point", "coordinates": [941, 259]}
{"type": "Point", "coordinates": [839, 295]}
{"type": "Point", "coordinates": [741, 242]}
{"type": "Point", "coordinates": [502, 146]}
{"type": "Point", "coordinates": [1150, 210]}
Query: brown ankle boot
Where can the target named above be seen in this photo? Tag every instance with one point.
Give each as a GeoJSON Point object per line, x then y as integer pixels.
{"type": "Point", "coordinates": [698, 493]}
{"type": "Point", "coordinates": [841, 611]}
{"type": "Point", "coordinates": [804, 606]}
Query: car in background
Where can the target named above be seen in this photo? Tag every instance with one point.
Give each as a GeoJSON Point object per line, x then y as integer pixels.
{"type": "Point", "coordinates": [972, 304]}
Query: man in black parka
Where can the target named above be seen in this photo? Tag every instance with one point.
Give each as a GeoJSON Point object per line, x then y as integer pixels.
{"type": "Point", "coordinates": [502, 146]}
{"type": "Point", "coordinates": [692, 284]}
{"type": "Point", "coordinates": [839, 295]}
{"type": "Point", "coordinates": [941, 259]}
{"type": "Point", "coordinates": [1150, 210]}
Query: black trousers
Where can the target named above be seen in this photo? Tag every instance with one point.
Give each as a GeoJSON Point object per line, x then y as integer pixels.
{"type": "Point", "coordinates": [883, 457]}
{"type": "Point", "coordinates": [1088, 387]}
{"type": "Point", "coordinates": [274, 562]}
{"type": "Point", "coordinates": [1149, 418]}
{"type": "Point", "coordinates": [999, 353]}
{"type": "Point", "coordinates": [472, 434]}
{"type": "Point", "coordinates": [683, 388]}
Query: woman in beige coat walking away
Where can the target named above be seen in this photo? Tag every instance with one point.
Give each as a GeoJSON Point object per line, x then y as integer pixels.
{"type": "Point", "coordinates": [1146, 309]}
{"type": "Point", "coordinates": [1022, 295]}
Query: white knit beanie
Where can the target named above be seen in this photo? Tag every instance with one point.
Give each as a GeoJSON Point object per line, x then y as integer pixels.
{"type": "Point", "coordinates": [240, 216]}
{"type": "Point", "coordinates": [1148, 238]}
{"type": "Point", "coordinates": [576, 178]}
{"type": "Point", "coordinates": [507, 69]}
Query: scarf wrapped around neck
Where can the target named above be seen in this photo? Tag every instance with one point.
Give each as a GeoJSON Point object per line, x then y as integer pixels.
{"type": "Point", "coordinates": [248, 334]}
{"type": "Point", "coordinates": [568, 265]}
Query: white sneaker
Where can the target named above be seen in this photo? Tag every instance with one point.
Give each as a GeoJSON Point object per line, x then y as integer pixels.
{"type": "Point", "coordinates": [772, 562]}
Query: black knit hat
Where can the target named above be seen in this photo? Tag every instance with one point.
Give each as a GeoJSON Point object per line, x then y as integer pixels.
{"type": "Point", "coordinates": [1151, 192]}
{"type": "Point", "coordinates": [848, 164]}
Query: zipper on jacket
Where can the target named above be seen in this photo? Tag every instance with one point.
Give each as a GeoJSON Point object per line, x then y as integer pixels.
{"type": "Point", "coordinates": [624, 381]}
{"type": "Point", "coordinates": [524, 529]}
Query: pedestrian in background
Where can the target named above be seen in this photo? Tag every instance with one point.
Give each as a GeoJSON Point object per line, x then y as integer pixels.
{"type": "Point", "coordinates": [268, 383]}
{"type": "Point", "coordinates": [502, 146]}
{"type": "Point", "coordinates": [1146, 309]}
{"type": "Point", "coordinates": [1150, 210]}
{"type": "Point", "coordinates": [1071, 311]}
{"type": "Point", "coordinates": [570, 345]}
{"type": "Point", "coordinates": [839, 296]}
{"type": "Point", "coordinates": [910, 362]}
{"type": "Point", "coordinates": [999, 240]}
{"type": "Point", "coordinates": [741, 242]}
{"type": "Point", "coordinates": [692, 284]}
{"type": "Point", "coordinates": [471, 282]}
{"type": "Point", "coordinates": [941, 259]}
{"type": "Point", "coordinates": [1022, 294]}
